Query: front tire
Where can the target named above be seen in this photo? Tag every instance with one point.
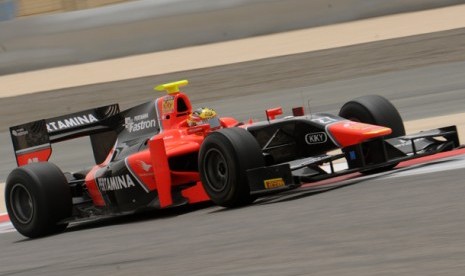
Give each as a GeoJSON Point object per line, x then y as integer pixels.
{"type": "Point", "coordinates": [224, 158]}
{"type": "Point", "coordinates": [376, 110]}
{"type": "Point", "coordinates": [37, 198]}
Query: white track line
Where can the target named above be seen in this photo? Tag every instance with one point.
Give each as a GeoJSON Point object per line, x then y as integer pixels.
{"type": "Point", "coordinates": [6, 227]}
{"type": "Point", "coordinates": [440, 165]}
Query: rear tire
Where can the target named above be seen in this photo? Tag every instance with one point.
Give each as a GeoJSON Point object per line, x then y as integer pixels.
{"type": "Point", "coordinates": [224, 158]}
{"type": "Point", "coordinates": [37, 198]}
{"type": "Point", "coordinates": [376, 110]}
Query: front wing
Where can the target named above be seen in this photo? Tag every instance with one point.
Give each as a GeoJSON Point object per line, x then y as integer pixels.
{"type": "Point", "coordinates": [389, 152]}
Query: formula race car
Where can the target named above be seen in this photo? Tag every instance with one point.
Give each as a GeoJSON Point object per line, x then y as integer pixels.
{"type": "Point", "coordinates": [164, 154]}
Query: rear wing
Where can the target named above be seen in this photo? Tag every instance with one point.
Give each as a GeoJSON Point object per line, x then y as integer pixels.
{"type": "Point", "coordinates": [32, 141]}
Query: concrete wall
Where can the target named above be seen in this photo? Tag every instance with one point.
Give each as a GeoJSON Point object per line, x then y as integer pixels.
{"type": "Point", "coordinates": [153, 25]}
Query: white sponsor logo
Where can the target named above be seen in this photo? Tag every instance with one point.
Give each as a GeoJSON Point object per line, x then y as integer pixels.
{"type": "Point", "coordinates": [324, 120]}
{"type": "Point", "coordinates": [139, 122]}
{"type": "Point", "coordinates": [71, 122]}
{"type": "Point", "coordinates": [316, 138]}
{"type": "Point", "coordinates": [33, 160]}
{"type": "Point", "coordinates": [146, 167]}
{"type": "Point", "coordinates": [403, 143]}
{"type": "Point", "coordinates": [115, 183]}
{"type": "Point", "coordinates": [19, 132]}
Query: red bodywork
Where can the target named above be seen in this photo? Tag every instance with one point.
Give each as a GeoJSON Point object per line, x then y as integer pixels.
{"type": "Point", "coordinates": [176, 138]}
{"type": "Point", "coordinates": [348, 133]}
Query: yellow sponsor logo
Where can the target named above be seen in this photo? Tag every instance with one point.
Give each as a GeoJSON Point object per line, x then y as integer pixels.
{"type": "Point", "coordinates": [168, 106]}
{"type": "Point", "coordinates": [274, 183]}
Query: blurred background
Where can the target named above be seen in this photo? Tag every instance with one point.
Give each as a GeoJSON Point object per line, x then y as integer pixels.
{"type": "Point", "coordinates": [37, 34]}
{"type": "Point", "coordinates": [34, 7]}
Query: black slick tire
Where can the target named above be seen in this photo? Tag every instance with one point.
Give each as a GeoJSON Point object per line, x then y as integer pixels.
{"type": "Point", "coordinates": [224, 158]}
{"type": "Point", "coordinates": [37, 198]}
{"type": "Point", "coordinates": [376, 110]}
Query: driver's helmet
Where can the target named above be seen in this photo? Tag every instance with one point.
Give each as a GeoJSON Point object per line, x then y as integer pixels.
{"type": "Point", "coordinates": [202, 116]}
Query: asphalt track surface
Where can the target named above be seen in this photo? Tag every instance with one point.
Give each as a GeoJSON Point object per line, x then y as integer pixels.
{"type": "Point", "coordinates": [400, 223]}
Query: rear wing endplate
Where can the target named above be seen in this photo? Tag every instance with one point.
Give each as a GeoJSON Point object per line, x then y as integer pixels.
{"type": "Point", "coordinates": [32, 141]}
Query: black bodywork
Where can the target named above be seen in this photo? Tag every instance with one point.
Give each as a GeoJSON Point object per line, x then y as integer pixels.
{"type": "Point", "coordinates": [296, 147]}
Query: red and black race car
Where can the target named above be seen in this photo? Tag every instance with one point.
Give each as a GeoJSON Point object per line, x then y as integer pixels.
{"type": "Point", "coordinates": [163, 154]}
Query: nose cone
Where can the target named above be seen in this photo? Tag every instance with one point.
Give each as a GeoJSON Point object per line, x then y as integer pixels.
{"type": "Point", "coordinates": [348, 133]}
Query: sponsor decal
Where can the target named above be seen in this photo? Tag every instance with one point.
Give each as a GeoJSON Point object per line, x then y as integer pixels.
{"type": "Point", "coordinates": [274, 183]}
{"type": "Point", "coordinates": [71, 122]}
{"type": "Point", "coordinates": [33, 154]}
{"type": "Point", "coordinates": [146, 167]}
{"type": "Point", "coordinates": [316, 138]}
{"type": "Point", "coordinates": [168, 104]}
{"type": "Point", "coordinates": [139, 122]}
{"type": "Point", "coordinates": [324, 120]}
{"type": "Point", "coordinates": [352, 155]}
{"type": "Point", "coordinates": [33, 160]}
{"type": "Point", "coordinates": [19, 132]}
{"type": "Point", "coordinates": [403, 143]}
{"type": "Point", "coordinates": [115, 183]}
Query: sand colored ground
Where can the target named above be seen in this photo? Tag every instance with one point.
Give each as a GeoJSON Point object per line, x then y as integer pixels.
{"type": "Point", "coordinates": [299, 41]}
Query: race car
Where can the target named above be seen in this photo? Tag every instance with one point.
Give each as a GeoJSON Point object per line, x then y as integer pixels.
{"type": "Point", "coordinates": [163, 154]}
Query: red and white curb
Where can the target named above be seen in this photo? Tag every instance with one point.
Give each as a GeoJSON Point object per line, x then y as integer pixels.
{"type": "Point", "coordinates": [4, 217]}
{"type": "Point", "coordinates": [5, 224]}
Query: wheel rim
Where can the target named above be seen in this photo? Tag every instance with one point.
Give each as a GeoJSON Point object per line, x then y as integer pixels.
{"type": "Point", "coordinates": [21, 203]}
{"type": "Point", "coordinates": [216, 170]}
